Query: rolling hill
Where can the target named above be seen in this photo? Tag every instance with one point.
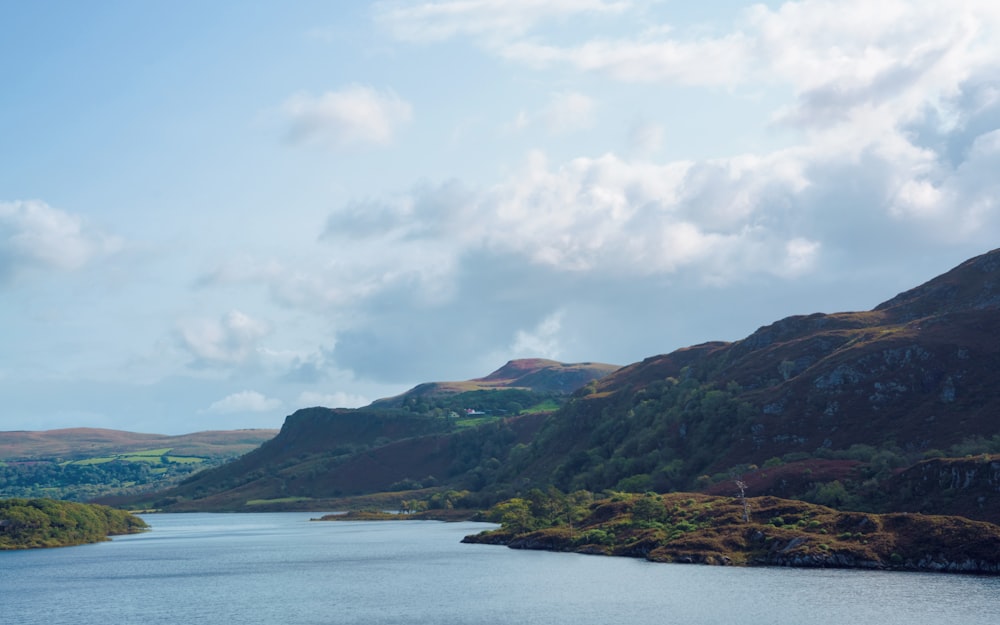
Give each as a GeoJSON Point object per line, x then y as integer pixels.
{"type": "Point", "coordinates": [82, 463]}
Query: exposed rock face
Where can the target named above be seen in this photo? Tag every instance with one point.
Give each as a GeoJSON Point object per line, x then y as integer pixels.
{"type": "Point", "coordinates": [966, 486]}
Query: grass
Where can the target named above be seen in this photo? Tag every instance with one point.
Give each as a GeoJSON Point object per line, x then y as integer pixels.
{"type": "Point", "coordinates": [157, 457]}
{"type": "Point", "coordinates": [549, 405]}
{"type": "Point", "coordinates": [150, 452]}
{"type": "Point", "coordinates": [471, 422]}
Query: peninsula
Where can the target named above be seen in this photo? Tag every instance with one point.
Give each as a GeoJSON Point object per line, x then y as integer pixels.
{"type": "Point", "coordinates": [34, 523]}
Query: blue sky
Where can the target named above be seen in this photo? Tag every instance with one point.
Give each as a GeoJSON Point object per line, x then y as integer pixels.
{"type": "Point", "coordinates": [212, 214]}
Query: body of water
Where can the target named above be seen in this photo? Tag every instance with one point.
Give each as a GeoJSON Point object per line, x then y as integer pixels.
{"type": "Point", "coordinates": [283, 569]}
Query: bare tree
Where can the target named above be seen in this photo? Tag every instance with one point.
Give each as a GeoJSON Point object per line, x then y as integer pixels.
{"type": "Point", "coordinates": [740, 484]}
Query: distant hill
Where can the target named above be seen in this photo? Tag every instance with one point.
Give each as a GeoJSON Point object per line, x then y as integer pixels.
{"type": "Point", "coordinates": [82, 463]}
{"type": "Point", "coordinates": [538, 376]}
{"type": "Point", "coordinates": [890, 409]}
{"type": "Point", "coordinates": [79, 443]}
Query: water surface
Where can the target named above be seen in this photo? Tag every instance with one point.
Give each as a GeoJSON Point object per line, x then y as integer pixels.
{"type": "Point", "coordinates": [282, 569]}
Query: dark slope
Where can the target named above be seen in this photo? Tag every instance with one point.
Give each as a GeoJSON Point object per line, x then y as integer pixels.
{"type": "Point", "coordinates": [831, 408]}
{"type": "Point", "coordinates": [915, 375]}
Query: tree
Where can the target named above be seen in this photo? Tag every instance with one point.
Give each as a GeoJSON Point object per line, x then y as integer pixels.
{"type": "Point", "coordinates": [514, 515]}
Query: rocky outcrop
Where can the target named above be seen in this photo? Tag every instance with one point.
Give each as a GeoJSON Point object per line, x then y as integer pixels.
{"type": "Point", "coordinates": [969, 487]}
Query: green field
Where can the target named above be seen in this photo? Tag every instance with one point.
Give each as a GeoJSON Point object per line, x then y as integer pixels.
{"type": "Point", "coordinates": [153, 457]}
{"type": "Point", "coordinates": [85, 463]}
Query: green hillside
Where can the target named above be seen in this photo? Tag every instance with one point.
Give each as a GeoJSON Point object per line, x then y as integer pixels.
{"type": "Point", "coordinates": [83, 463]}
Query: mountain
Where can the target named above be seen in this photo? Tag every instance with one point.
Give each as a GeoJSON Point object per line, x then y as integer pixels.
{"type": "Point", "coordinates": [824, 401]}
{"type": "Point", "coordinates": [874, 411]}
{"type": "Point", "coordinates": [436, 433]}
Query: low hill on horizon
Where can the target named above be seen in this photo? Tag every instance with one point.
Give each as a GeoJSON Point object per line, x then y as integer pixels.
{"type": "Point", "coordinates": [78, 443]}
{"type": "Point", "coordinates": [81, 463]}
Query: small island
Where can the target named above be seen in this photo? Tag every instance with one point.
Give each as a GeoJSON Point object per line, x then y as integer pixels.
{"type": "Point", "coordinates": [37, 523]}
{"type": "Point", "coordinates": [751, 531]}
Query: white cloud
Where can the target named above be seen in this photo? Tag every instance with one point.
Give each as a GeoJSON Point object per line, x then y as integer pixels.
{"type": "Point", "coordinates": [231, 340]}
{"type": "Point", "coordinates": [540, 342]}
{"type": "Point", "coordinates": [339, 399]}
{"type": "Point", "coordinates": [566, 112]}
{"type": "Point", "coordinates": [700, 62]}
{"type": "Point", "coordinates": [955, 203]}
{"type": "Point", "coordinates": [354, 115]}
{"type": "Point", "coordinates": [33, 234]}
{"type": "Point", "coordinates": [860, 75]}
{"type": "Point", "coordinates": [895, 114]}
{"type": "Point", "coordinates": [245, 401]}
{"type": "Point", "coordinates": [800, 257]}
{"type": "Point", "coordinates": [605, 216]}
{"type": "Point", "coordinates": [839, 58]}
{"type": "Point", "coordinates": [434, 21]}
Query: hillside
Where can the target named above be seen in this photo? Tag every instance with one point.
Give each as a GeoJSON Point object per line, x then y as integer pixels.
{"type": "Point", "coordinates": [434, 435]}
{"type": "Point", "coordinates": [83, 463]}
{"type": "Point", "coordinates": [875, 411]}
{"type": "Point", "coordinates": [836, 404]}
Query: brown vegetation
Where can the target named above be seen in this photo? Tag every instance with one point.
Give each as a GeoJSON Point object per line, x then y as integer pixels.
{"type": "Point", "coordinates": [696, 528]}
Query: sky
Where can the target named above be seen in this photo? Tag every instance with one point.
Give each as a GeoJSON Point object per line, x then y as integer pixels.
{"type": "Point", "coordinates": [215, 213]}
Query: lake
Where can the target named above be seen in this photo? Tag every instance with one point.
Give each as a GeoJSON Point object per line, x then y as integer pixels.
{"type": "Point", "coordinates": [283, 569]}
